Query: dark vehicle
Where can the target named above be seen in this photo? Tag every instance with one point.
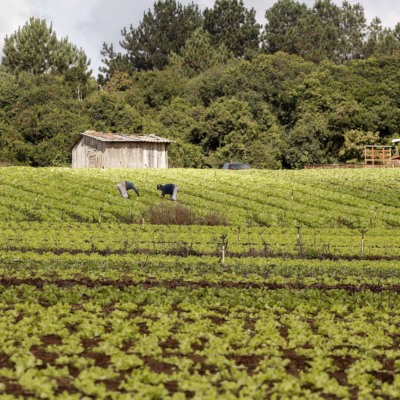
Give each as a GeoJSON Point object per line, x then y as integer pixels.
{"type": "Point", "coordinates": [236, 166]}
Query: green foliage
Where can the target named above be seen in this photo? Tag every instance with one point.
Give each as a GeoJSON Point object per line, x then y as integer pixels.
{"type": "Point", "coordinates": [231, 24]}
{"type": "Point", "coordinates": [304, 141]}
{"type": "Point", "coordinates": [163, 30]}
{"type": "Point", "coordinates": [35, 48]}
{"type": "Point", "coordinates": [39, 109]}
{"type": "Point", "coordinates": [12, 146]}
{"type": "Point", "coordinates": [9, 91]}
{"type": "Point", "coordinates": [109, 113]}
{"type": "Point", "coordinates": [154, 89]}
{"type": "Point", "coordinates": [110, 308]}
{"type": "Point", "coordinates": [198, 55]}
{"type": "Point", "coordinates": [181, 119]}
{"type": "Point", "coordinates": [120, 82]}
{"type": "Point", "coordinates": [317, 198]}
{"type": "Point", "coordinates": [326, 32]}
{"type": "Point", "coordinates": [186, 155]}
{"type": "Point", "coordinates": [114, 63]}
{"type": "Point", "coordinates": [273, 111]}
{"type": "Point", "coordinates": [282, 28]}
{"type": "Point", "coordinates": [380, 41]}
{"type": "Point", "coordinates": [353, 147]}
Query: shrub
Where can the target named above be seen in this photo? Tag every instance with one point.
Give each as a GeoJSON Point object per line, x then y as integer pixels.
{"type": "Point", "coordinates": [168, 213]}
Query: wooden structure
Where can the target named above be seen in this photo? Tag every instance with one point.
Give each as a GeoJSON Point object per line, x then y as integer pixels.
{"type": "Point", "coordinates": [377, 155]}
{"type": "Point", "coordinates": [333, 166]}
{"type": "Point", "coordinates": [396, 149]}
{"type": "Point", "coordinates": [395, 160]}
{"type": "Point", "coordinates": [115, 150]}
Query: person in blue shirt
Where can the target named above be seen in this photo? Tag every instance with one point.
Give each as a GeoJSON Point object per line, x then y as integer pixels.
{"type": "Point", "coordinates": [169, 188]}
{"type": "Point", "coordinates": [124, 186]}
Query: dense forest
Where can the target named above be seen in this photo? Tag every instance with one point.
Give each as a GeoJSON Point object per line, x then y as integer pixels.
{"type": "Point", "coordinates": [311, 85]}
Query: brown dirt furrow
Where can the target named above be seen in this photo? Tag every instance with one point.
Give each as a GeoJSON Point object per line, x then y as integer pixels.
{"type": "Point", "coordinates": [66, 283]}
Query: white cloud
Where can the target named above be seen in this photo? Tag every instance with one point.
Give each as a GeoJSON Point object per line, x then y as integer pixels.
{"type": "Point", "coordinates": [13, 15]}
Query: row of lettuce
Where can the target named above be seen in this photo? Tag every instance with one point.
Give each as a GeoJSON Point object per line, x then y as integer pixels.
{"type": "Point", "coordinates": [324, 198]}
{"type": "Point", "coordinates": [198, 271]}
{"type": "Point", "coordinates": [109, 238]}
{"type": "Point", "coordinates": [110, 310]}
{"type": "Point", "coordinates": [96, 336]}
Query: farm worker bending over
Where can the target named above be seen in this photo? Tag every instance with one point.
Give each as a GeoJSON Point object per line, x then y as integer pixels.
{"type": "Point", "coordinates": [170, 189]}
{"type": "Point", "coordinates": [124, 186]}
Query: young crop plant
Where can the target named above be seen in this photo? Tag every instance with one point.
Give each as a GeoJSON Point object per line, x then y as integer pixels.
{"type": "Point", "coordinates": [97, 300]}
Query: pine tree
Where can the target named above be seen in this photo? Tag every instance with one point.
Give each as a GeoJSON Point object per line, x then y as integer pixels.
{"type": "Point", "coordinates": [198, 54]}
{"type": "Point", "coordinates": [35, 48]}
{"type": "Point", "coordinates": [162, 31]}
{"type": "Point", "coordinates": [352, 32]}
{"type": "Point", "coordinates": [282, 30]}
{"type": "Point", "coordinates": [380, 41]}
{"type": "Point", "coordinates": [231, 24]}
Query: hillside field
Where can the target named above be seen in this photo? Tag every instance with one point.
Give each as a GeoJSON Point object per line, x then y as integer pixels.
{"type": "Point", "coordinates": [255, 284]}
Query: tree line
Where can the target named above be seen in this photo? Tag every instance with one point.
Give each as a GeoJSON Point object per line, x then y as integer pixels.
{"type": "Point", "coordinates": [313, 85]}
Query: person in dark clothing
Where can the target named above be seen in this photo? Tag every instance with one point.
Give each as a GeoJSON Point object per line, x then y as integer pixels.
{"type": "Point", "coordinates": [169, 188]}
{"type": "Point", "coordinates": [124, 186]}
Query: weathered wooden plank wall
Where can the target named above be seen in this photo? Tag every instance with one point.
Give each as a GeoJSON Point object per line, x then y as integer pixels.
{"type": "Point", "coordinates": [92, 153]}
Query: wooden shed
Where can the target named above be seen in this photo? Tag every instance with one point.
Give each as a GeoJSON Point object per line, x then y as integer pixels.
{"type": "Point", "coordinates": [116, 150]}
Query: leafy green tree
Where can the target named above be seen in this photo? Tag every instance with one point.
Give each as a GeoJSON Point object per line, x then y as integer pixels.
{"type": "Point", "coordinates": [35, 48]}
{"type": "Point", "coordinates": [208, 86]}
{"type": "Point", "coordinates": [231, 24]}
{"type": "Point", "coordinates": [373, 84]}
{"type": "Point", "coordinates": [154, 89]}
{"type": "Point", "coordinates": [9, 91]}
{"type": "Point", "coordinates": [352, 150]}
{"type": "Point", "coordinates": [198, 55]}
{"type": "Point", "coordinates": [230, 133]}
{"type": "Point", "coordinates": [79, 82]}
{"type": "Point", "coordinates": [276, 78]}
{"type": "Point", "coordinates": [304, 141]}
{"type": "Point", "coordinates": [12, 146]}
{"type": "Point", "coordinates": [336, 33]}
{"type": "Point", "coordinates": [55, 151]}
{"type": "Point", "coordinates": [178, 121]}
{"type": "Point", "coordinates": [109, 113]}
{"type": "Point", "coordinates": [120, 82]}
{"type": "Point", "coordinates": [37, 110]}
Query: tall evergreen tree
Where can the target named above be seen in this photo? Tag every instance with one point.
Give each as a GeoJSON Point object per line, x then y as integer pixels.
{"type": "Point", "coordinates": [352, 32]}
{"type": "Point", "coordinates": [325, 32]}
{"type": "Point", "coordinates": [114, 62]}
{"type": "Point", "coordinates": [162, 31]}
{"type": "Point", "coordinates": [380, 41]}
{"type": "Point", "coordinates": [282, 29]}
{"type": "Point", "coordinates": [198, 54]}
{"type": "Point", "coordinates": [231, 24]}
{"type": "Point", "coordinates": [35, 48]}
{"type": "Point", "coordinates": [319, 32]}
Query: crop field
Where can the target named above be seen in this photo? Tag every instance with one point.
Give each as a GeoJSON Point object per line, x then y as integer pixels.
{"type": "Point", "coordinates": [274, 285]}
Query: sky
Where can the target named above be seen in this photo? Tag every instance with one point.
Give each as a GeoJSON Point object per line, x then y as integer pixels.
{"type": "Point", "coordinates": [90, 23]}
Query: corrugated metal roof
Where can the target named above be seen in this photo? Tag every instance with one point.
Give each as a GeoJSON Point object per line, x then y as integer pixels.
{"type": "Point", "coordinates": [119, 137]}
